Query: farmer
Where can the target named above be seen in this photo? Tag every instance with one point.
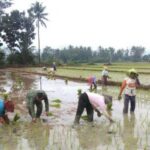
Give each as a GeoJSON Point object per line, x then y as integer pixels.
{"type": "Point", "coordinates": [93, 101]}
{"type": "Point", "coordinates": [34, 98]}
{"type": "Point", "coordinates": [129, 86]}
{"type": "Point", "coordinates": [92, 83]}
{"type": "Point", "coordinates": [105, 75]}
{"type": "Point", "coordinates": [5, 106]}
{"type": "Point", "coordinates": [54, 66]}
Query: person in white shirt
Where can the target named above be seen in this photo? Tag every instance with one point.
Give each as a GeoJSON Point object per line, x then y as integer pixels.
{"type": "Point", "coordinates": [105, 76]}
{"type": "Point", "coordinates": [129, 86]}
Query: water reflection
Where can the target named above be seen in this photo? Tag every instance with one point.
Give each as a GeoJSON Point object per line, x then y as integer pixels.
{"type": "Point", "coordinates": [133, 131]}
{"type": "Point", "coordinates": [37, 135]}
{"type": "Point", "coordinates": [93, 138]}
{"type": "Point", "coordinates": [129, 138]}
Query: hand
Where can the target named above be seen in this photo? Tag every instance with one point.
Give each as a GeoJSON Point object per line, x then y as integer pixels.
{"type": "Point", "coordinates": [34, 120]}
{"type": "Point", "coordinates": [99, 114]}
{"type": "Point", "coordinates": [2, 120]}
{"type": "Point", "coordinates": [46, 113]}
{"type": "Point", "coordinates": [119, 97]}
{"type": "Point", "coordinates": [112, 121]}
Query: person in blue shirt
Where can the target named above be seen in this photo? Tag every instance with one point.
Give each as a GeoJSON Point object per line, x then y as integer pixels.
{"type": "Point", "coordinates": [5, 106]}
{"type": "Point", "coordinates": [92, 83]}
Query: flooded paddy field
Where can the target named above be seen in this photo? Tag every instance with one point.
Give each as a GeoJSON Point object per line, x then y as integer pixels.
{"type": "Point", "coordinates": [78, 72]}
{"type": "Point", "coordinates": [130, 132]}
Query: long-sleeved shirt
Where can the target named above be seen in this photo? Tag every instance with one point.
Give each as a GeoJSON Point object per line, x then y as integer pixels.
{"type": "Point", "coordinates": [105, 73]}
{"type": "Point", "coordinates": [31, 100]}
{"type": "Point", "coordinates": [130, 85]}
{"type": "Point", "coordinates": [97, 101]}
{"type": "Point", "coordinates": [2, 108]}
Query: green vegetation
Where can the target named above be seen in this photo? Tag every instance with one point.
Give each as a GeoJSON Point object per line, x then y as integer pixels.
{"type": "Point", "coordinates": [84, 117]}
{"type": "Point", "coordinates": [57, 105]}
{"type": "Point", "coordinates": [16, 117]}
{"type": "Point", "coordinates": [79, 92]}
{"type": "Point", "coordinates": [116, 73]}
{"type": "Point", "coordinates": [5, 96]}
{"type": "Point", "coordinates": [109, 107]}
{"type": "Point", "coordinates": [50, 114]}
{"type": "Point", "coordinates": [56, 100]}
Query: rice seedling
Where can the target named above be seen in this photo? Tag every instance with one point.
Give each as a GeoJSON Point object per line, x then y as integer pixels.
{"type": "Point", "coordinates": [109, 107]}
{"type": "Point", "coordinates": [56, 100]}
{"type": "Point", "coordinates": [57, 105]}
{"type": "Point", "coordinates": [79, 92]}
{"type": "Point", "coordinates": [84, 117]}
{"type": "Point", "coordinates": [66, 81]}
{"type": "Point", "coordinates": [5, 96]}
{"type": "Point", "coordinates": [16, 118]}
{"type": "Point", "coordinates": [50, 114]}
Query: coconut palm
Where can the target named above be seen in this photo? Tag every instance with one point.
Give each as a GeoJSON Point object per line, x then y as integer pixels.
{"type": "Point", "coordinates": [39, 16]}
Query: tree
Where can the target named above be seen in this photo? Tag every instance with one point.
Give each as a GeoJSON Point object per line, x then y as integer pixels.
{"type": "Point", "coordinates": [48, 55]}
{"type": "Point", "coordinates": [3, 5]}
{"type": "Point", "coordinates": [39, 16]}
{"type": "Point", "coordinates": [137, 52]}
{"type": "Point", "coordinates": [2, 57]}
{"type": "Point", "coordinates": [119, 55]}
{"type": "Point", "coordinates": [146, 58]}
{"type": "Point", "coordinates": [18, 33]}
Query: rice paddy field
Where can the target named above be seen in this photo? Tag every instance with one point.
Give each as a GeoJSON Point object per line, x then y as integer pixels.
{"type": "Point", "coordinates": [56, 131]}
{"type": "Point", "coordinates": [117, 71]}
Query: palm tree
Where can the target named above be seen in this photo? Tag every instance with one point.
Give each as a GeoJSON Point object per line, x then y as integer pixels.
{"type": "Point", "coordinates": [39, 16]}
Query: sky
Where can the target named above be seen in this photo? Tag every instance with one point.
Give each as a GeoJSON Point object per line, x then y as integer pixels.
{"type": "Point", "coordinates": [94, 23]}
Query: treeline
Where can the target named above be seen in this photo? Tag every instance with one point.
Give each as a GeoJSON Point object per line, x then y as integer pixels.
{"type": "Point", "coordinates": [17, 33]}
{"type": "Point", "coordinates": [81, 54]}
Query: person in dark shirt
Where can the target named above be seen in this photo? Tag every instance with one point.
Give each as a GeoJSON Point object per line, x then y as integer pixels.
{"type": "Point", "coordinates": [34, 98]}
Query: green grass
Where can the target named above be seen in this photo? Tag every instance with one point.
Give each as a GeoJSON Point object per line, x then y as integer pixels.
{"type": "Point", "coordinates": [56, 100]}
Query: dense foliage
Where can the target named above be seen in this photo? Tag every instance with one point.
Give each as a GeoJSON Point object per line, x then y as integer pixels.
{"type": "Point", "coordinates": [17, 32]}
{"type": "Point", "coordinates": [81, 54]}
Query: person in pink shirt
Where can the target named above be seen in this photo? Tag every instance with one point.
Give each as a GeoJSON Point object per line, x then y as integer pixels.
{"type": "Point", "coordinates": [92, 101]}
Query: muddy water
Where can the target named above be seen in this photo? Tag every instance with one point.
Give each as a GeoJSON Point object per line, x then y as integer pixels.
{"type": "Point", "coordinates": [129, 132]}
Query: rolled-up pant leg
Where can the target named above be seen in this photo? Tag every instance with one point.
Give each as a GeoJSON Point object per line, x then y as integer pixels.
{"type": "Point", "coordinates": [89, 110]}
{"type": "Point", "coordinates": [126, 104]}
{"type": "Point", "coordinates": [81, 105]}
{"type": "Point", "coordinates": [39, 109]}
{"type": "Point", "coordinates": [133, 103]}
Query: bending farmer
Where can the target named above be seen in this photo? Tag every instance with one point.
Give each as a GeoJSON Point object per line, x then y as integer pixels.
{"type": "Point", "coordinates": [92, 83]}
{"type": "Point", "coordinates": [34, 98]}
{"type": "Point", "coordinates": [93, 101]}
{"type": "Point", "coordinates": [5, 106]}
{"type": "Point", "coordinates": [129, 87]}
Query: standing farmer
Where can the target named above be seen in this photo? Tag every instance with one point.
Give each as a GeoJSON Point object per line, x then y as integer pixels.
{"type": "Point", "coordinates": [105, 76]}
{"type": "Point", "coordinates": [129, 87]}
{"type": "Point", "coordinates": [93, 101]}
{"type": "Point", "coordinates": [34, 98]}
